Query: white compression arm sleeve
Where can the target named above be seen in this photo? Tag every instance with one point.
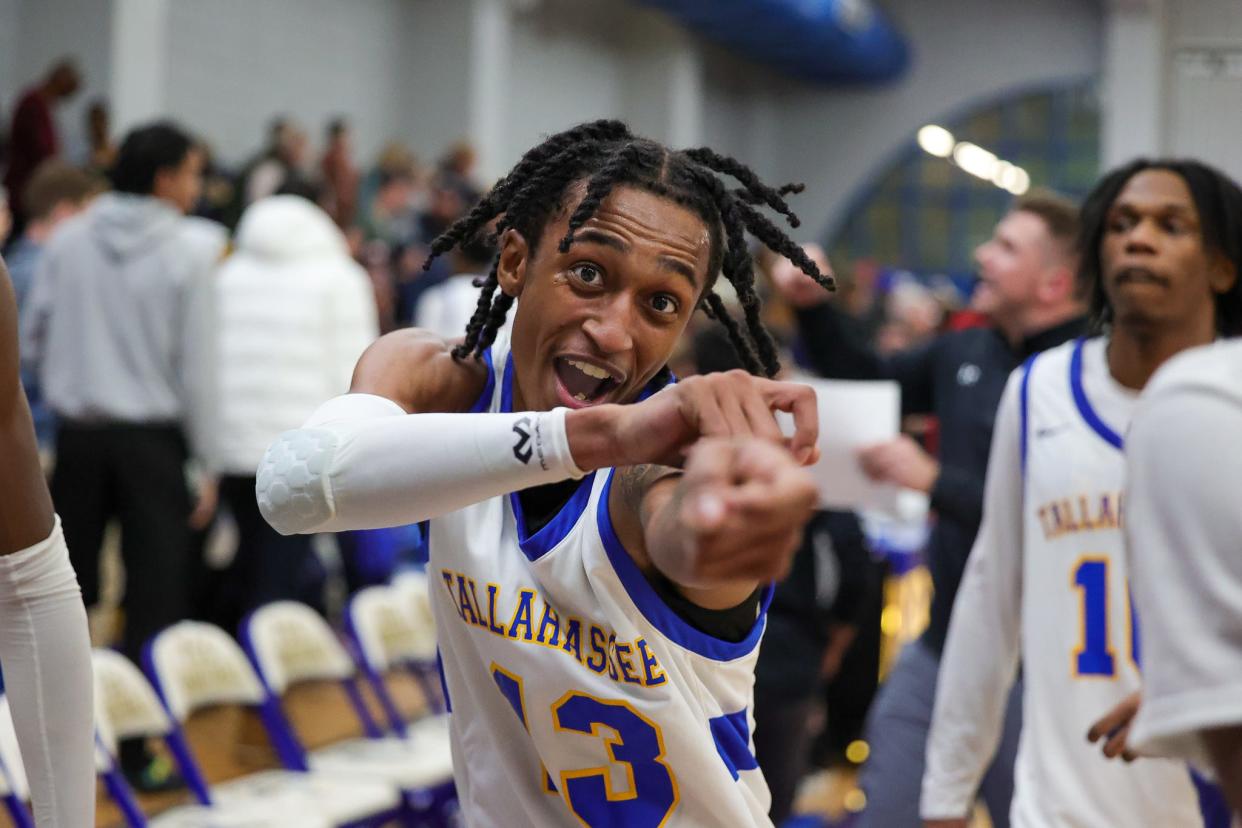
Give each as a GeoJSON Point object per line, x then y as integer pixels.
{"type": "Point", "coordinates": [361, 462]}
{"type": "Point", "coordinates": [45, 650]}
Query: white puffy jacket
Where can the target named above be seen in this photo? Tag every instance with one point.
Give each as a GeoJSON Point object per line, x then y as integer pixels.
{"type": "Point", "coordinates": [294, 312]}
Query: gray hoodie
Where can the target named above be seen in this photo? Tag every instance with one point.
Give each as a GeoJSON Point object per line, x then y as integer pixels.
{"type": "Point", "coordinates": [111, 324]}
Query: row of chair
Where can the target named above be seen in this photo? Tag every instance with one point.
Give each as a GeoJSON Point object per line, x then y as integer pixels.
{"type": "Point", "coordinates": [398, 771]}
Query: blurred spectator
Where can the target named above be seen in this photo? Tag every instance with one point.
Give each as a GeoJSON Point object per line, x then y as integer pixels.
{"type": "Point", "coordinates": [293, 312]}
{"type": "Point", "coordinates": [446, 308]}
{"type": "Point", "coordinates": [453, 191]}
{"type": "Point", "coordinates": [913, 315]}
{"type": "Point", "coordinates": [391, 217]}
{"type": "Point", "coordinates": [100, 146]}
{"type": "Point", "coordinates": [56, 192]}
{"type": "Point", "coordinates": [812, 621]}
{"type": "Point", "coordinates": [282, 171]}
{"type": "Point", "coordinates": [113, 330]}
{"type": "Point", "coordinates": [340, 175]}
{"type": "Point", "coordinates": [33, 136]}
{"type": "Point", "coordinates": [395, 157]}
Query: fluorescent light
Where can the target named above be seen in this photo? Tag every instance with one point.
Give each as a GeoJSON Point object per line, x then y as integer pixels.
{"type": "Point", "coordinates": [975, 160]}
{"type": "Point", "coordinates": [936, 140]}
{"type": "Point", "coordinates": [1019, 181]}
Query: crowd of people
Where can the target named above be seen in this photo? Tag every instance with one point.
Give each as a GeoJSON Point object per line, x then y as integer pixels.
{"type": "Point", "coordinates": [179, 322]}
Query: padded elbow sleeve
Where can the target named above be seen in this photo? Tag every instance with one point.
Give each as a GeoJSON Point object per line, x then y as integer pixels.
{"type": "Point", "coordinates": [361, 462]}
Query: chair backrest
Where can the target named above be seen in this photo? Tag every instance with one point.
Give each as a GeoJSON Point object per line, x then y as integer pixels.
{"type": "Point", "coordinates": [12, 771]}
{"type": "Point", "coordinates": [383, 628]}
{"type": "Point", "coordinates": [126, 705]}
{"type": "Point", "coordinates": [195, 665]}
{"type": "Point", "coordinates": [290, 642]}
{"type": "Point", "coordinates": [413, 589]}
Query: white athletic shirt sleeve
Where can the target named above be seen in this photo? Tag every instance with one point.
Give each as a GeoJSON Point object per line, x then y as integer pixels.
{"type": "Point", "coordinates": [981, 652]}
{"type": "Point", "coordinates": [46, 652]}
{"type": "Point", "coordinates": [361, 462]}
{"type": "Point", "coordinates": [1184, 534]}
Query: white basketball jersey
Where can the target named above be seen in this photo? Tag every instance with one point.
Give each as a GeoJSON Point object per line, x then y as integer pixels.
{"type": "Point", "coordinates": [1080, 643]}
{"type": "Point", "coordinates": [577, 696]}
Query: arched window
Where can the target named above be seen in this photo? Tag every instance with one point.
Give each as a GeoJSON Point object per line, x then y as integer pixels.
{"type": "Point", "coordinates": [925, 214]}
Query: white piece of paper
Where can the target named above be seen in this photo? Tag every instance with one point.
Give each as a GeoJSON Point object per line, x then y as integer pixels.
{"type": "Point", "coordinates": [853, 415]}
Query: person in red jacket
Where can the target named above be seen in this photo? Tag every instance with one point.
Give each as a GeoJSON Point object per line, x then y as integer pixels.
{"type": "Point", "coordinates": [32, 137]}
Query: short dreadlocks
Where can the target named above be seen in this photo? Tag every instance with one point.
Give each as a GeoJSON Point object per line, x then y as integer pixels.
{"type": "Point", "coordinates": [606, 154]}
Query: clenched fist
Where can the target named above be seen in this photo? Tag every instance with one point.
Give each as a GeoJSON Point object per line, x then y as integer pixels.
{"type": "Point", "coordinates": [739, 511]}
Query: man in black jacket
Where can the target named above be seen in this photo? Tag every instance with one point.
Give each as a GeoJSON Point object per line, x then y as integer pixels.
{"type": "Point", "coordinates": [1027, 289]}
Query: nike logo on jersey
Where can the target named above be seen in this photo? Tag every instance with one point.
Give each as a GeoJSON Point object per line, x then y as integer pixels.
{"type": "Point", "coordinates": [1051, 431]}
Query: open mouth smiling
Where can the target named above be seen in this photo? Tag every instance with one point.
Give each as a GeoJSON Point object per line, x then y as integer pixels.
{"type": "Point", "coordinates": [582, 382]}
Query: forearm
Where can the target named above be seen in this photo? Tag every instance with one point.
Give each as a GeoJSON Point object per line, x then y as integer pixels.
{"type": "Point", "coordinates": [981, 654]}
{"type": "Point", "coordinates": [1224, 746]}
{"type": "Point", "coordinates": [976, 672]}
{"type": "Point", "coordinates": [362, 462]}
{"type": "Point", "coordinates": [958, 494]}
{"type": "Point", "coordinates": [671, 543]}
{"type": "Point", "coordinates": [831, 350]}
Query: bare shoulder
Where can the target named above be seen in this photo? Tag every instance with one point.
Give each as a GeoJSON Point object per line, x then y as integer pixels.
{"type": "Point", "coordinates": [417, 370]}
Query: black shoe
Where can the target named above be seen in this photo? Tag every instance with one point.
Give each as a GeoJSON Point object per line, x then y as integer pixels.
{"type": "Point", "coordinates": [147, 771]}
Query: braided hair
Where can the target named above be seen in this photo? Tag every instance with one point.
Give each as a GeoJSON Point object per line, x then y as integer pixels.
{"type": "Point", "coordinates": [605, 154]}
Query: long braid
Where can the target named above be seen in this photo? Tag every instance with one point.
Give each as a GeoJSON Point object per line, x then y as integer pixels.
{"type": "Point", "coordinates": [756, 191]}
{"type": "Point", "coordinates": [739, 270]}
{"type": "Point", "coordinates": [741, 344]}
{"type": "Point", "coordinates": [600, 185]}
{"type": "Point", "coordinates": [479, 318]}
{"type": "Point", "coordinates": [778, 242]}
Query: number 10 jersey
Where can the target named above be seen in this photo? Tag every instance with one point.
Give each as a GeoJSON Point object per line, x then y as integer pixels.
{"type": "Point", "coordinates": [1081, 644]}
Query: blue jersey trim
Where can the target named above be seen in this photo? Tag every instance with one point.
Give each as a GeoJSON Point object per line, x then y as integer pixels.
{"type": "Point", "coordinates": [1212, 805]}
{"type": "Point", "coordinates": [1024, 408]}
{"type": "Point", "coordinates": [448, 700]}
{"type": "Point", "coordinates": [731, 732]}
{"type": "Point", "coordinates": [1084, 405]}
{"type": "Point", "coordinates": [484, 402]}
{"type": "Point", "coordinates": [554, 531]}
{"type": "Point", "coordinates": [652, 606]}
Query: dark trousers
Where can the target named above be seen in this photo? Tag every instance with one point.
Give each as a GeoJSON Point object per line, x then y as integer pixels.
{"type": "Point", "coordinates": [136, 475]}
{"type": "Point", "coordinates": [897, 731]}
{"type": "Point", "coordinates": [267, 565]}
{"type": "Point", "coordinates": [782, 746]}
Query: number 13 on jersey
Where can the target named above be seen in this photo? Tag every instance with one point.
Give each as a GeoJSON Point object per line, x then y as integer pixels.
{"type": "Point", "coordinates": [1094, 656]}
{"type": "Point", "coordinates": [635, 747]}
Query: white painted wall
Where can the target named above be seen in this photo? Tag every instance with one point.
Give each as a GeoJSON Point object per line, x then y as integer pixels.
{"type": "Point", "coordinates": [1203, 82]}
{"type": "Point", "coordinates": [234, 64]}
{"type": "Point", "coordinates": [964, 52]}
{"type": "Point", "coordinates": [8, 53]}
{"type": "Point", "coordinates": [44, 31]}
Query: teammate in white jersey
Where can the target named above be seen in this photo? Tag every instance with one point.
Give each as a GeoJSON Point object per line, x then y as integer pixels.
{"type": "Point", "coordinates": [598, 609]}
{"type": "Point", "coordinates": [1046, 582]}
{"type": "Point", "coordinates": [1184, 535]}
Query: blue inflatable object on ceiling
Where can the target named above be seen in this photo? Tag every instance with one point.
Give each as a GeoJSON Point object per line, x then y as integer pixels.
{"type": "Point", "coordinates": [826, 41]}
